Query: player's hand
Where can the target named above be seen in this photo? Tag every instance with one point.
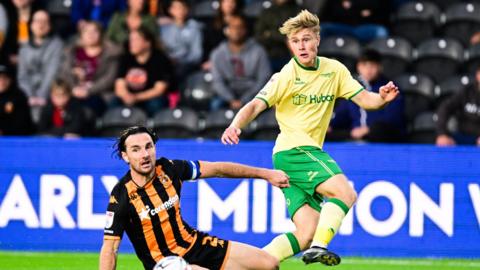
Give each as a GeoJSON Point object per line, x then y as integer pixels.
{"type": "Point", "coordinates": [359, 132]}
{"type": "Point", "coordinates": [444, 140]}
{"type": "Point", "coordinates": [231, 135]}
{"type": "Point", "coordinates": [388, 92]}
{"type": "Point", "coordinates": [278, 178]}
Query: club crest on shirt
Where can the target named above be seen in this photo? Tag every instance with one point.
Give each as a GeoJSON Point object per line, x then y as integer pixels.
{"type": "Point", "coordinates": [109, 219]}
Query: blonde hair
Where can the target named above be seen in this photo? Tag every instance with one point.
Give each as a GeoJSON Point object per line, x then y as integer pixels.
{"type": "Point", "coordinates": [303, 20]}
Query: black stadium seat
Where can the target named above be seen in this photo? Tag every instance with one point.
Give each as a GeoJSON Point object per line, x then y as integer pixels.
{"type": "Point", "coordinates": [216, 122]}
{"type": "Point", "coordinates": [198, 92]}
{"type": "Point", "coordinates": [417, 90]}
{"type": "Point", "coordinates": [450, 86]}
{"type": "Point", "coordinates": [439, 58]}
{"type": "Point", "coordinates": [344, 49]}
{"type": "Point", "coordinates": [205, 9]}
{"type": "Point", "coordinates": [423, 129]}
{"type": "Point", "coordinates": [444, 4]}
{"type": "Point", "coordinates": [175, 123]}
{"type": "Point", "coordinates": [117, 119]}
{"type": "Point", "coordinates": [254, 9]}
{"type": "Point", "coordinates": [265, 127]}
{"type": "Point", "coordinates": [473, 56]}
{"type": "Point", "coordinates": [416, 21]}
{"type": "Point", "coordinates": [396, 54]}
{"type": "Point", "coordinates": [462, 20]}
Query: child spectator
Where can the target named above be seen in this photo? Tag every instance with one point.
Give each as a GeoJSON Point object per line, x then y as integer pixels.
{"type": "Point", "coordinates": [63, 116]}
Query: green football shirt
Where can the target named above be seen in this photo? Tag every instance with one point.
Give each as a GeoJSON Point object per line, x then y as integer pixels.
{"type": "Point", "coordinates": [304, 98]}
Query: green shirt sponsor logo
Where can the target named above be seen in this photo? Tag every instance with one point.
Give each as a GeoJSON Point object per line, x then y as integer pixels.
{"type": "Point", "coordinates": [301, 99]}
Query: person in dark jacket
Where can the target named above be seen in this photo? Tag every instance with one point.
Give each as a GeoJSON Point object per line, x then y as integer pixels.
{"type": "Point", "coordinates": [385, 125]}
{"type": "Point", "coordinates": [63, 116]}
{"type": "Point", "coordinates": [465, 106]}
{"type": "Point", "coordinates": [15, 118]}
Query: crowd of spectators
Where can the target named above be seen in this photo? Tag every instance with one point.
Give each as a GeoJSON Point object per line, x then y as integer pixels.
{"type": "Point", "coordinates": [56, 80]}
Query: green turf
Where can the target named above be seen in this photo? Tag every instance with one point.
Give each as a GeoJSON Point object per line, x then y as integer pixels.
{"type": "Point", "coordinates": [73, 261]}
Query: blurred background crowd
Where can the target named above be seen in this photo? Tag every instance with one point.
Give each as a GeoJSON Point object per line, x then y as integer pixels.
{"type": "Point", "coordinates": [74, 68]}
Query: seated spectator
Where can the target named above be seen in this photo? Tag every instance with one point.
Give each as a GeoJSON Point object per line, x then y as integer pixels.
{"type": "Point", "coordinates": [39, 60]}
{"type": "Point", "coordinates": [90, 67]}
{"type": "Point", "coordinates": [25, 10]}
{"type": "Point", "coordinates": [385, 125]}
{"type": "Point", "coordinates": [15, 118]}
{"type": "Point", "coordinates": [364, 20]}
{"type": "Point", "coordinates": [63, 116]}
{"type": "Point", "coordinates": [9, 34]}
{"type": "Point", "coordinates": [101, 11]}
{"type": "Point", "coordinates": [145, 74]}
{"type": "Point", "coordinates": [240, 67]}
{"type": "Point", "coordinates": [182, 39]}
{"type": "Point", "coordinates": [266, 31]}
{"type": "Point", "coordinates": [214, 31]}
{"type": "Point", "coordinates": [133, 18]}
{"type": "Point", "coordinates": [465, 106]}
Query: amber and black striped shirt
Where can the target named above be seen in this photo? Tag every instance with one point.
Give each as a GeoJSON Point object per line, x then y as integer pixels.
{"type": "Point", "coordinates": [150, 215]}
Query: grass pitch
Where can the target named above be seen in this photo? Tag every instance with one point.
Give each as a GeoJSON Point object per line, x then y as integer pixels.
{"type": "Point", "coordinates": [82, 261]}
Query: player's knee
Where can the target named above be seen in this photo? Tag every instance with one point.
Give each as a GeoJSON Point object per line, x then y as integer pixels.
{"type": "Point", "coordinates": [352, 197]}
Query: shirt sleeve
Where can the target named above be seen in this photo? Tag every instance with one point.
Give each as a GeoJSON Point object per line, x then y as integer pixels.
{"type": "Point", "coordinates": [115, 217]}
{"type": "Point", "coordinates": [271, 92]}
{"type": "Point", "coordinates": [348, 87]}
{"type": "Point", "coordinates": [187, 169]}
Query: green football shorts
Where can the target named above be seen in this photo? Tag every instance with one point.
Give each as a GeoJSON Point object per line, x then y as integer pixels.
{"type": "Point", "coordinates": [307, 166]}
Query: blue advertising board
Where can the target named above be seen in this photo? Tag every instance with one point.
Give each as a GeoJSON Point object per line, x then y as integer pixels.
{"type": "Point", "coordinates": [413, 201]}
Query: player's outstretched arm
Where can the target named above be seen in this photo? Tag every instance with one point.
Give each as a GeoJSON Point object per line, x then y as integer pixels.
{"type": "Point", "coordinates": [108, 254]}
{"type": "Point", "coordinates": [373, 101]}
{"type": "Point", "coordinates": [235, 170]}
{"type": "Point", "coordinates": [246, 114]}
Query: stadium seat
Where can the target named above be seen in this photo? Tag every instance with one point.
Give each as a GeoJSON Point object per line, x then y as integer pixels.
{"type": "Point", "coordinates": [198, 92]}
{"type": "Point", "coordinates": [449, 87]}
{"type": "Point", "coordinates": [344, 49]}
{"type": "Point", "coordinates": [473, 58]}
{"type": "Point", "coordinates": [254, 9]}
{"type": "Point", "coordinates": [59, 11]}
{"type": "Point", "coordinates": [175, 123]}
{"type": "Point", "coordinates": [216, 122]}
{"type": "Point", "coordinates": [462, 20]}
{"type": "Point", "coordinates": [444, 4]}
{"type": "Point", "coordinates": [265, 127]}
{"type": "Point", "coordinates": [417, 90]}
{"type": "Point", "coordinates": [416, 21]}
{"type": "Point", "coordinates": [438, 58]}
{"type": "Point", "coordinates": [205, 9]}
{"type": "Point", "coordinates": [424, 128]}
{"type": "Point", "coordinates": [396, 54]}
{"type": "Point", "coordinates": [117, 119]}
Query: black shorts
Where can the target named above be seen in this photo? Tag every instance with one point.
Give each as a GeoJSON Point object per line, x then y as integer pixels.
{"type": "Point", "coordinates": [208, 251]}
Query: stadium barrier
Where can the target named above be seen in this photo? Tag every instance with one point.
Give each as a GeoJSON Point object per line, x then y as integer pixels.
{"type": "Point", "coordinates": [414, 201]}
